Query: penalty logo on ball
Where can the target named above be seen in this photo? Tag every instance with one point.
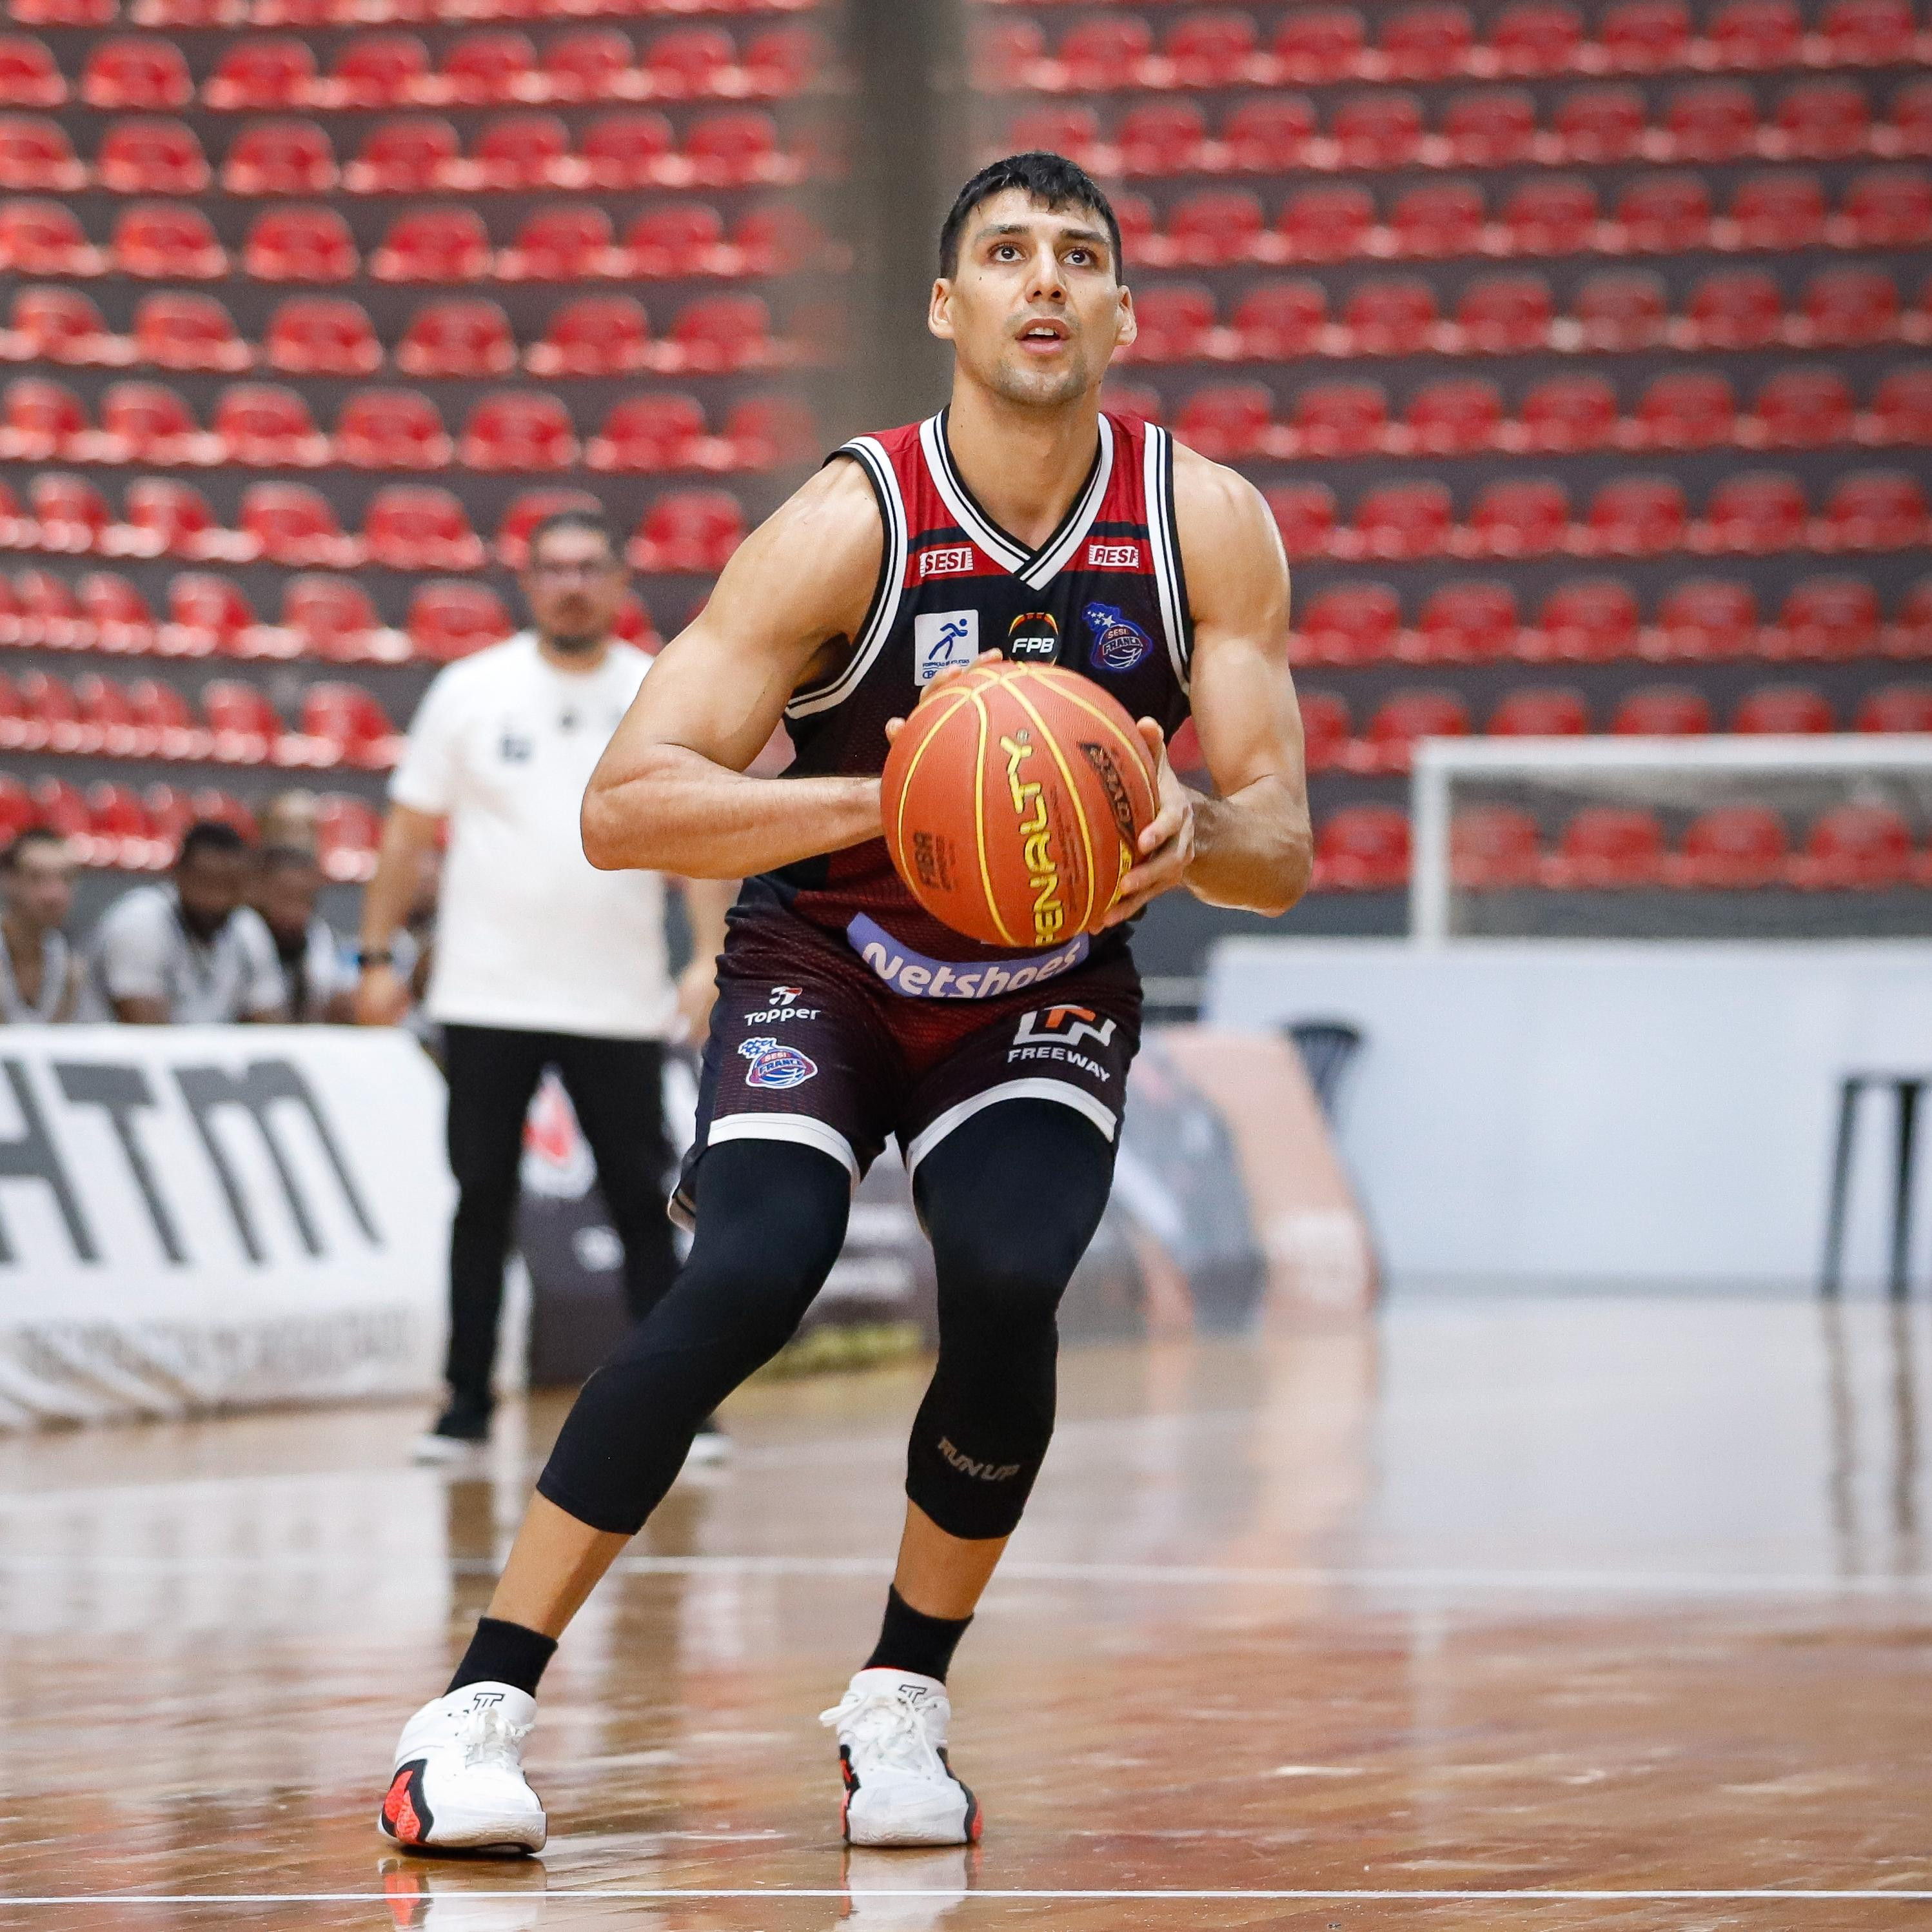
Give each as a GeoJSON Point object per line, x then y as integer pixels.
{"type": "Point", "coordinates": [774, 1065]}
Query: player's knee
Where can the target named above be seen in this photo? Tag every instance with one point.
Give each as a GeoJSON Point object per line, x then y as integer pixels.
{"type": "Point", "coordinates": [972, 1480]}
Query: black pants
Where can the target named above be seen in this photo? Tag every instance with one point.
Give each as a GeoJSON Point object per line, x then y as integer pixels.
{"type": "Point", "coordinates": [616, 1088]}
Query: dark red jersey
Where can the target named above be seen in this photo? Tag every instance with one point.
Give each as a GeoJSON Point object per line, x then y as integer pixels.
{"type": "Point", "coordinates": [1104, 596]}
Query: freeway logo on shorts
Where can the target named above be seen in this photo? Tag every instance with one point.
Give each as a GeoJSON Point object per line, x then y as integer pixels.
{"type": "Point", "coordinates": [772, 1065]}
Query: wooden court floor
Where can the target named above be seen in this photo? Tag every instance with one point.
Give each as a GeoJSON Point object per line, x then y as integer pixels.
{"type": "Point", "coordinates": [1500, 1616]}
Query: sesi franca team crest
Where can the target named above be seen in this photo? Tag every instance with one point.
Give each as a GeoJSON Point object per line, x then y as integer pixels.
{"type": "Point", "coordinates": [1119, 643]}
{"type": "Point", "coordinates": [773, 1065]}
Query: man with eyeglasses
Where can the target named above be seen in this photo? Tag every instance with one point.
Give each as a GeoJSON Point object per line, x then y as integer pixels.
{"type": "Point", "coordinates": [540, 960]}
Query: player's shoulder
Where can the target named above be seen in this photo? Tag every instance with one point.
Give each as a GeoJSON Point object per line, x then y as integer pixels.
{"type": "Point", "coordinates": [1223, 520]}
{"type": "Point", "coordinates": [824, 541]}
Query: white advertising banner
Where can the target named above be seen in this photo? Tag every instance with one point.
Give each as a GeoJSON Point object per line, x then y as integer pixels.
{"type": "Point", "coordinates": [193, 1217]}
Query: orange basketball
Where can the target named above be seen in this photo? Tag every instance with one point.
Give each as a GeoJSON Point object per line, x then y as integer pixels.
{"type": "Point", "coordinates": [1014, 798]}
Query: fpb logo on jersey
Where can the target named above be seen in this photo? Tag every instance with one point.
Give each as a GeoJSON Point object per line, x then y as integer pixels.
{"type": "Point", "coordinates": [943, 640]}
{"type": "Point", "coordinates": [772, 1065]}
{"type": "Point", "coordinates": [1119, 643]}
{"type": "Point", "coordinates": [1033, 637]}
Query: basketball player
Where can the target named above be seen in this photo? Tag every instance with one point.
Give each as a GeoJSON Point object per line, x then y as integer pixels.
{"type": "Point", "coordinates": [1024, 521]}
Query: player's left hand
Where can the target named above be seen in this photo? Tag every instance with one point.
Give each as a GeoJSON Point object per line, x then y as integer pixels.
{"type": "Point", "coordinates": [697, 994]}
{"type": "Point", "coordinates": [894, 726]}
{"type": "Point", "coordinates": [1167, 845]}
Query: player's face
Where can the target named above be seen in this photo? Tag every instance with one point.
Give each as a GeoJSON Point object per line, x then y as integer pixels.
{"type": "Point", "coordinates": [40, 885]}
{"type": "Point", "coordinates": [211, 886]}
{"type": "Point", "coordinates": [575, 587]}
{"type": "Point", "coordinates": [285, 896]}
{"type": "Point", "coordinates": [1035, 311]}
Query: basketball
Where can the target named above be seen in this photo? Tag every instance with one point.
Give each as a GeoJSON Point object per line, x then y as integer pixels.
{"type": "Point", "coordinates": [1014, 801]}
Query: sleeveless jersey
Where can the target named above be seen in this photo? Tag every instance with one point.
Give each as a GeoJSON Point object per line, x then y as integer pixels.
{"type": "Point", "coordinates": [1103, 596]}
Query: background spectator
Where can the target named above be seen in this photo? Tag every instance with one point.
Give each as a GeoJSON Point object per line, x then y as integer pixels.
{"type": "Point", "coordinates": [189, 952]}
{"type": "Point", "coordinates": [319, 979]}
{"type": "Point", "coordinates": [39, 974]}
{"type": "Point", "coordinates": [288, 818]}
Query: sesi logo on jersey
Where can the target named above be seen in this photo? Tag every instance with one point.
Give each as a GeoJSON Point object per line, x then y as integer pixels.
{"type": "Point", "coordinates": [772, 1065]}
{"type": "Point", "coordinates": [1113, 555]}
{"type": "Point", "coordinates": [943, 640]}
{"type": "Point", "coordinates": [952, 560]}
{"type": "Point", "coordinates": [1119, 643]}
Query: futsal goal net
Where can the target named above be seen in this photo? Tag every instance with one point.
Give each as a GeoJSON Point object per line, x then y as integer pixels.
{"type": "Point", "coordinates": [1736, 838]}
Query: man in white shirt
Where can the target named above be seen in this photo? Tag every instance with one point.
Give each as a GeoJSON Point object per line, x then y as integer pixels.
{"type": "Point", "coordinates": [321, 982]}
{"type": "Point", "coordinates": [189, 953]}
{"type": "Point", "coordinates": [540, 960]}
{"type": "Point", "coordinates": [39, 977]}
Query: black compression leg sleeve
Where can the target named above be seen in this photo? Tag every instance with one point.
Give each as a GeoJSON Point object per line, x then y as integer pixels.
{"type": "Point", "coordinates": [771, 1217]}
{"type": "Point", "coordinates": [1011, 1198]}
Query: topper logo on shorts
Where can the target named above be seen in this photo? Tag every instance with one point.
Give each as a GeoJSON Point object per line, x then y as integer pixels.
{"type": "Point", "coordinates": [943, 640]}
{"type": "Point", "coordinates": [1119, 643]}
{"type": "Point", "coordinates": [1053, 1033]}
{"type": "Point", "coordinates": [784, 1005]}
{"type": "Point", "coordinates": [772, 1065]}
{"type": "Point", "coordinates": [1029, 798]}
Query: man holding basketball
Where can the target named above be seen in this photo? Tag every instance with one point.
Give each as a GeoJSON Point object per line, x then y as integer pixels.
{"type": "Point", "coordinates": [1023, 522]}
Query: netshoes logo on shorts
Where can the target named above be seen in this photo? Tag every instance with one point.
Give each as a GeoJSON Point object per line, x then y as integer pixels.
{"type": "Point", "coordinates": [906, 971]}
{"type": "Point", "coordinates": [1029, 796]}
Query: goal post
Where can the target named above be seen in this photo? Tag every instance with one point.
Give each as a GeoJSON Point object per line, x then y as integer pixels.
{"type": "Point", "coordinates": [1709, 837]}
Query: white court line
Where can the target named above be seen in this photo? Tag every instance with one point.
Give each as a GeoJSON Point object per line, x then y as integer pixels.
{"type": "Point", "coordinates": [1531, 1896]}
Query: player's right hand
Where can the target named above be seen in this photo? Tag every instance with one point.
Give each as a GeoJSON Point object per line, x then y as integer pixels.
{"type": "Point", "coordinates": [894, 726]}
{"type": "Point", "coordinates": [381, 997]}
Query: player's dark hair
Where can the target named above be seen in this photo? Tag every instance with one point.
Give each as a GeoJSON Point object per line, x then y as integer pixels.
{"type": "Point", "coordinates": [16, 847]}
{"type": "Point", "coordinates": [579, 519]}
{"type": "Point", "coordinates": [214, 836]}
{"type": "Point", "coordinates": [1051, 178]}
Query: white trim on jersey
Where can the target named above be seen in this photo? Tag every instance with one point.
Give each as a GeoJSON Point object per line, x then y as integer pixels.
{"type": "Point", "coordinates": [1040, 566]}
{"type": "Point", "coordinates": [871, 454]}
{"type": "Point", "coordinates": [1035, 1087]}
{"type": "Point", "coordinates": [1164, 542]}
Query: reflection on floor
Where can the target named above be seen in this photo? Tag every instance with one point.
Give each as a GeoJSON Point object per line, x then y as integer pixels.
{"type": "Point", "coordinates": [1500, 1616]}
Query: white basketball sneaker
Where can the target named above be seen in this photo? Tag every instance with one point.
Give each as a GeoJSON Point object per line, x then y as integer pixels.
{"type": "Point", "coordinates": [458, 1781]}
{"type": "Point", "coordinates": [899, 1789]}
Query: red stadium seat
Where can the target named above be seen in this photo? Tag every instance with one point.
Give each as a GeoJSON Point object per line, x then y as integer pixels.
{"type": "Point", "coordinates": [1318, 44]}
{"type": "Point", "coordinates": [1494, 127]}
{"type": "Point", "coordinates": [1275, 319]}
{"type": "Point", "coordinates": [1824, 120]}
{"type": "Point", "coordinates": [322, 335]}
{"type": "Point", "coordinates": [1901, 409]}
{"type": "Point", "coordinates": [1175, 322]}
{"type": "Point", "coordinates": [1268, 134]}
{"type": "Point", "coordinates": [1849, 307]}
{"type": "Point", "coordinates": [245, 725]}
{"type": "Point", "coordinates": [527, 509]}
{"type": "Point", "coordinates": [1220, 225]}
{"type": "Point", "coordinates": [734, 148]}
{"type": "Point", "coordinates": [1757, 34]}
{"type": "Point", "coordinates": [518, 430]}
{"type": "Point", "coordinates": [763, 432]}
{"type": "Point", "coordinates": [1493, 848]}
{"type": "Point", "coordinates": [1589, 620]}
{"type": "Point", "coordinates": [1390, 737]}
{"type": "Point", "coordinates": [1456, 416]}
{"type": "Point", "coordinates": [1525, 517]}
{"type": "Point", "coordinates": [29, 75]}
{"type": "Point", "coordinates": [1430, 41]}
{"type": "Point", "coordinates": [1708, 617]}
{"type": "Point", "coordinates": [1607, 848]}
{"type": "Point", "coordinates": [413, 527]}
{"type": "Point", "coordinates": [1910, 117]}
{"type": "Point", "coordinates": [1803, 408]}
{"type": "Point", "coordinates": [1405, 520]}
{"type": "Point", "coordinates": [347, 832]}
{"type": "Point", "coordinates": [291, 523]}
{"type": "Point", "coordinates": [1783, 210]}
{"type": "Point", "coordinates": [1759, 510]}
{"type": "Point", "coordinates": [1503, 314]}
{"type": "Point", "coordinates": [379, 71]}
{"type": "Point", "coordinates": [330, 617]}
{"type": "Point", "coordinates": [1556, 216]}
{"type": "Point", "coordinates": [1226, 421]}
{"type": "Point", "coordinates": [268, 426]}
{"type": "Point", "coordinates": [1164, 137]}
{"type": "Point", "coordinates": [435, 244]}
{"type": "Point", "coordinates": [1867, 33]}
{"type": "Point", "coordinates": [773, 241]}
{"type": "Point", "coordinates": [119, 613]}
{"type": "Point", "coordinates": [597, 335]}
{"type": "Point", "coordinates": [264, 74]}
{"type": "Point", "coordinates": [624, 151]}
{"type": "Point", "coordinates": [1326, 223]}
{"type": "Point", "coordinates": [1379, 129]}
{"type": "Point", "coordinates": [1889, 208]}
{"type": "Point", "coordinates": [479, 69]}
{"type": "Point", "coordinates": [1438, 219]}
{"type": "Point", "coordinates": [694, 530]}
{"type": "Point", "coordinates": [1856, 847]}
{"type": "Point", "coordinates": [783, 60]}
{"type": "Point", "coordinates": [1304, 513]}
{"type": "Point", "coordinates": [1341, 418]}
{"type": "Point", "coordinates": [689, 63]}
{"type": "Point", "coordinates": [1877, 509]}
{"type": "Point", "coordinates": [1099, 56]}
{"type": "Point", "coordinates": [723, 332]}
{"type": "Point", "coordinates": [1783, 709]}
{"type": "Point", "coordinates": [1664, 214]}
{"type": "Point", "coordinates": [40, 421]}
{"type": "Point", "coordinates": [1712, 120]}
{"type": "Point", "coordinates": [1568, 413]}
{"type": "Point", "coordinates": [1536, 37]}
{"type": "Point", "coordinates": [160, 517]}
{"type": "Point", "coordinates": [562, 245]}
{"type": "Point", "coordinates": [519, 151]}
{"type": "Point", "coordinates": [149, 156]}
{"type": "Point", "coordinates": [167, 240]}
{"type": "Point", "coordinates": [1004, 53]}
{"type": "Point", "coordinates": [146, 74]}
{"type": "Point", "coordinates": [1363, 848]}
{"type": "Point", "coordinates": [1545, 711]}
{"type": "Point", "coordinates": [1828, 617]}
{"type": "Point", "coordinates": [1467, 623]}
{"type": "Point", "coordinates": [300, 245]}
{"type": "Point", "coordinates": [1211, 50]}
{"type": "Point", "coordinates": [49, 613]}
{"type": "Point", "coordinates": [392, 429]}
{"type": "Point", "coordinates": [206, 613]}
{"type": "Point", "coordinates": [1897, 707]}
{"type": "Point", "coordinates": [682, 238]}
{"type": "Point", "coordinates": [1324, 729]}
{"type": "Point", "coordinates": [35, 153]}
{"type": "Point", "coordinates": [64, 326]}
{"type": "Point", "coordinates": [1598, 125]}
{"type": "Point", "coordinates": [1736, 308]}
{"type": "Point", "coordinates": [279, 158]}
{"type": "Point", "coordinates": [1393, 316]}
{"type": "Point", "coordinates": [413, 154]}
{"type": "Point", "coordinates": [1691, 409]}
{"type": "Point", "coordinates": [1662, 711]}
{"type": "Point", "coordinates": [591, 63]}
{"type": "Point", "coordinates": [149, 423]}
{"type": "Point", "coordinates": [650, 432]}
{"type": "Point", "coordinates": [1735, 846]}
{"type": "Point", "coordinates": [462, 338]}
{"type": "Point", "coordinates": [348, 726]}
{"type": "Point", "coordinates": [1355, 623]}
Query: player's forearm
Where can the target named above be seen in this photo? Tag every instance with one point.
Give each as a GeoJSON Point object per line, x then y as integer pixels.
{"type": "Point", "coordinates": [407, 835]}
{"type": "Point", "coordinates": [674, 811]}
{"type": "Point", "coordinates": [1253, 850]}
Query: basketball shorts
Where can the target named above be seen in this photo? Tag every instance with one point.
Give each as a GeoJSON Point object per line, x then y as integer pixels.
{"type": "Point", "coordinates": [808, 1045]}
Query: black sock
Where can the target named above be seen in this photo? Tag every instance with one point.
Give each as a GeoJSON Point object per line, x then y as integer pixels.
{"type": "Point", "coordinates": [909, 1639]}
{"type": "Point", "coordinates": [504, 1653]}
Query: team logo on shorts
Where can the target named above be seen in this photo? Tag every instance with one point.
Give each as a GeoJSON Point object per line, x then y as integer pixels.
{"type": "Point", "coordinates": [772, 1065]}
{"type": "Point", "coordinates": [1119, 643]}
{"type": "Point", "coordinates": [1058, 1033]}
